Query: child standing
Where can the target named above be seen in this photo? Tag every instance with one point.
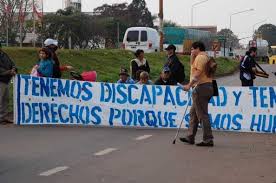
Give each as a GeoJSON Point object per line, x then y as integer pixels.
{"type": "Point", "coordinates": [45, 66]}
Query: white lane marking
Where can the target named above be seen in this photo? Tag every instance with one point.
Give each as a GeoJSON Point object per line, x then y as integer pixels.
{"type": "Point", "coordinates": [106, 151]}
{"type": "Point", "coordinates": [143, 137]}
{"type": "Point", "coordinates": [54, 171]}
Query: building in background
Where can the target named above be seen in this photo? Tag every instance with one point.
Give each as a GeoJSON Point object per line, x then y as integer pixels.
{"type": "Point", "coordinates": [212, 29]}
{"type": "Point", "coordinates": [72, 3]}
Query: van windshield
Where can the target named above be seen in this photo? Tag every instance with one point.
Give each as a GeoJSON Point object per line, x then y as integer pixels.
{"type": "Point", "coordinates": [133, 36]}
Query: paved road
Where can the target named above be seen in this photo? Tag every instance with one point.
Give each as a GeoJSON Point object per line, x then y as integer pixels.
{"type": "Point", "coordinates": [104, 155]}
{"type": "Point", "coordinates": [99, 155]}
{"type": "Point", "coordinates": [234, 80]}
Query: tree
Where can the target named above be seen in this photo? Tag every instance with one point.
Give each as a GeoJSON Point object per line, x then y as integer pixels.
{"type": "Point", "coordinates": [268, 32]}
{"type": "Point", "coordinates": [65, 24]}
{"type": "Point", "coordinates": [124, 15]}
{"type": "Point", "coordinates": [139, 14]}
{"type": "Point", "coordinates": [114, 10]}
{"type": "Point", "coordinates": [12, 13]}
{"type": "Point", "coordinates": [231, 39]}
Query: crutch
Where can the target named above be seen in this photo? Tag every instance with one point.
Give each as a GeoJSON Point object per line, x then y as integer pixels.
{"type": "Point", "coordinates": [178, 130]}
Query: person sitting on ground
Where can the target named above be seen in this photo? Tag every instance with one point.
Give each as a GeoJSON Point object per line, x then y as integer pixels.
{"type": "Point", "coordinates": [138, 73]}
{"type": "Point", "coordinates": [52, 45]}
{"type": "Point", "coordinates": [7, 71]}
{"type": "Point", "coordinates": [44, 68]}
{"type": "Point", "coordinates": [140, 63]}
{"type": "Point", "coordinates": [144, 79]}
{"type": "Point", "coordinates": [124, 77]}
{"type": "Point", "coordinates": [165, 78]}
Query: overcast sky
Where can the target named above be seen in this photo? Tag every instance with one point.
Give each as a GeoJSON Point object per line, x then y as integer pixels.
{"type": "Point", "coordinates": [212, 12]}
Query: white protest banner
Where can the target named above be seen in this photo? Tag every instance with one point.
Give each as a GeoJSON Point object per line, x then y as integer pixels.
{"type": "Point", "coordinates": [46, 101]}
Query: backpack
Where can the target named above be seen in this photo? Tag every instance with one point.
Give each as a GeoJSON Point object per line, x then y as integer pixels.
{"type": "Point", "coordinates": [211, 67]}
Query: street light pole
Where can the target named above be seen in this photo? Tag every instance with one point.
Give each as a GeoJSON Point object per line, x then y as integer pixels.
{"type": "Point", "coordinates": [192, 10]}
{"type": "Point", "coordinates": [237, 14]}
{"type": "Point", "coordinates": [230, 25]}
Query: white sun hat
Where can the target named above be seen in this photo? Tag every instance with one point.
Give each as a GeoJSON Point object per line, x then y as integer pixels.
{"type": "Point", "coordinates": [50, 41]}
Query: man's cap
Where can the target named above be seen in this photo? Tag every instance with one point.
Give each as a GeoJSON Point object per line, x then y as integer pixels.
{"type": "Point", "coordinates": [50, 41]}
{"type": "Point", "coordinates": [171, 47]}
{"type": "Point", "coordinates": [166, 69]}
{"type": "Point", "coordinates": [123, 71]}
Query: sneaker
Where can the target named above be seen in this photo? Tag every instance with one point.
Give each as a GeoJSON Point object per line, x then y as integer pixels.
{"type": "Point", "coordinates": [205, 144]}
{"type": "Point", "coordinates": [186, 140]}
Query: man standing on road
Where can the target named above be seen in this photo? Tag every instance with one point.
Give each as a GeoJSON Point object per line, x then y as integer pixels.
{"type": "Point", "coordinates": [176, 67]}
{"type": "Point", "coordinates": [202, 93]}
{"type": "Point", "coordinates": [7, 71]}
{"type": "Point", "coordinates": [248, 68]}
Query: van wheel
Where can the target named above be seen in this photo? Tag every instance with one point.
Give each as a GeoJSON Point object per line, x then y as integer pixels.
{"type": "Point", "coordinates": [156, 50]}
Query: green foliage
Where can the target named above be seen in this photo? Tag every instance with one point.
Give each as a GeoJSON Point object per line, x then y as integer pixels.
{"type": "Point", "coordinates": [106, 62]}
{"type": "Point", "coordinates": [231, 39]}
{"type": "Point", "coordinates": [268, 32]}
{"type": "Point", "coordinates": [97, 28]}
{"type": "Point", "coordinates": [68, 23]}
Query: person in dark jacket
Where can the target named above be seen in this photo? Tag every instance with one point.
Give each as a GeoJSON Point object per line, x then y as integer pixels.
{"type": "Point", "coordinates": [7, 71]}
{"type": "Point", "coordinates": [139, 64]}
{"type": "Point", "coordinates": [165, 78]}
{"type": "Point", "coordinates": [248, 68]}
{"type": "Point", "coordinates": [176, 67]}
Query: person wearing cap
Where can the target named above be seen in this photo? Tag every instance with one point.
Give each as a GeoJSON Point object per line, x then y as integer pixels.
{"type": "Point", "coordinates": [139, 64]}
{"type": "Point", "coordinates": [165, 78]}
{"type": "Point", "coordinates": [124, 77]}
{"type": "Point", "coordinates": [7, 71]}
{"type": "Point", "coordinates": [52, 45]}
{"type": "Point", "coordinates": [176, 67]}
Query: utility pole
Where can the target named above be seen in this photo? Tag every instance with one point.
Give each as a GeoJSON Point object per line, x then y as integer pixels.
{"type": "Point", "coordinates": [161, 19]}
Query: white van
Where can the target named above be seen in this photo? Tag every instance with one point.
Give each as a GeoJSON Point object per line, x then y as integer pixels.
{"type": "Point", "coordinates": [144, 38]}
